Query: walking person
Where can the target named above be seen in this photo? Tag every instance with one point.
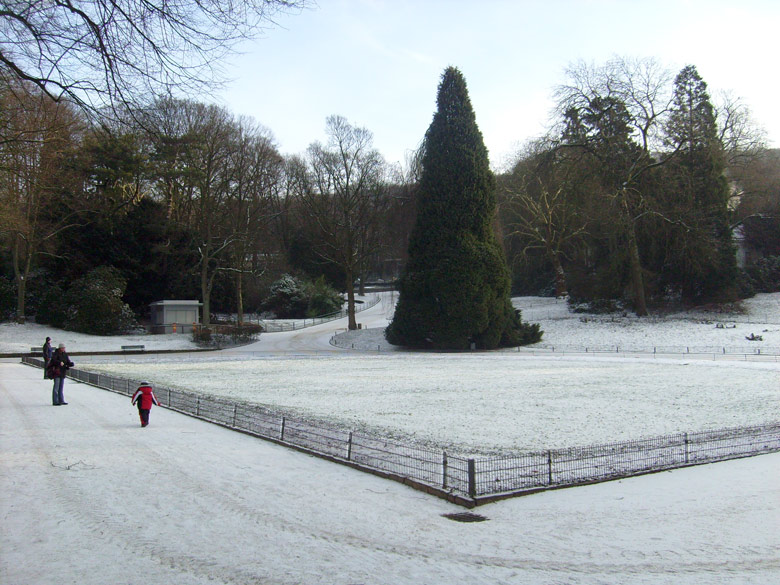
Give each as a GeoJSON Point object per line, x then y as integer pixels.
{"type": "Point", "coordinates": [58, 369]}
{"type": "Point", "coordinates": [144, 397]}
{"type": "Point", "coordinates": [47, 351]}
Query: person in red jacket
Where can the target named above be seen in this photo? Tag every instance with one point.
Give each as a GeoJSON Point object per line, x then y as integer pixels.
{"type": "Point", "coordinates": [144, 397]}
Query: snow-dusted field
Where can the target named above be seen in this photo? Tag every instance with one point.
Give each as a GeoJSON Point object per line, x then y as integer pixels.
{"type": "Point", "coordinates": [502, 401]}
{"type": "Point", "coordinates": [489, 402]}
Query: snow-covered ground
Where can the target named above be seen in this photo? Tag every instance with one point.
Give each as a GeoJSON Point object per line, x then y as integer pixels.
{"type": "Point", "coordinates": [87, 496]}
{"type": "Point", "coordinates": [563, 329]}
{"type": "Point", "coordinates": [488, 402]}
{"type": "Point", "coordinates": [760, 316]}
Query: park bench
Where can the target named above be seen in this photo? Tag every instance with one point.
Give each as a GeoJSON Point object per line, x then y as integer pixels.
{"type": "Point", "coordinates": [133, 347]}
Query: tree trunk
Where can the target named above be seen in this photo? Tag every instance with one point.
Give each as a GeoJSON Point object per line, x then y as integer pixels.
{"type": "Point", "coordinates": [206, 292]}
{"type": "Point", "coordinates": [20, 274]}
{"type": "Point", "coordinates": [351, 301]}
{"type": "Point", "coordinates": [21, 286]}
{"type": "Point", "coordinates": [560, 276]}
{"type": "Point", "coordinates": [637, 280]}
{"type": "Point", "coordinates": [240, 297]}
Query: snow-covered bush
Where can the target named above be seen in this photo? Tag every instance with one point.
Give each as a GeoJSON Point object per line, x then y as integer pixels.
{"type": "Point", "coordinates": [296, 298]}
{"type": "Point", "coordinates": [95, 306]}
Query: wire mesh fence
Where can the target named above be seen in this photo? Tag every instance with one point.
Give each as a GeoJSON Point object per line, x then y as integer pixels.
{"type": "Point", "coordinates": [465, 480]}
{"type": "Point", "coordinates": [279, 325]}
{"type": "Point", "coordinates": [740, 350]}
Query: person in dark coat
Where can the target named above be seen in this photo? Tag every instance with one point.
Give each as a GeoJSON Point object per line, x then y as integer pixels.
{"type": "Point", "coordinates": [58, 369]}
{"type": "Point", "coordinates": [144, 397]}
{"type": "Point", "coordinates": [47, 351]}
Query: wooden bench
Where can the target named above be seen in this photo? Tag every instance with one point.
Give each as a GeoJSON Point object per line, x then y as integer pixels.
{"type": "Point", "coordinates": [133, 347]}
{"type": "Point", "coordinates": [36, 350]}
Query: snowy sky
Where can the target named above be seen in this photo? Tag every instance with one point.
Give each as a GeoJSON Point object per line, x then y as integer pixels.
{"type": "Point", "coordinates": [378, 62]}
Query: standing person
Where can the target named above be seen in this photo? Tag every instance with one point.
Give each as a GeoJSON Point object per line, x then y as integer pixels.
{"type": "Point", "coordinates": [145, 397]}
{"type": "Point", "coordinates": [58, 369]}
{"type": "Point", "coordinates": [47, 351]}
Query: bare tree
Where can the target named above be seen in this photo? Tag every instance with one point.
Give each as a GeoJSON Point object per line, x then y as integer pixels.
{"type": "Point", "coordinates": [341, 201]}
{"type": "Point", "coordinates": [255, 169]}
{"type": "Point", "coordinates": [120, 53]}
{"type": "Point", "coordinates": [743, 140]}
{"type": "Point", "coordinates": [544, 218]}
{"type": "Point", "coordinates": [33, 176]}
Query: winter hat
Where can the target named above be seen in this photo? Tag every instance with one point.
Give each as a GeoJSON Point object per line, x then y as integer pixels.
{"type": "Point", "coordinates": [62, 346]}
{"type": "Point", "coordinates": [145, 384]}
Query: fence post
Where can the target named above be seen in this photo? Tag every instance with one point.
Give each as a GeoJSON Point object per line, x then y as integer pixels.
{"type": "Point", "coordinates": [444, 470]}
{"type": "Point", "coordinates": [235, 407]}
{"type": "Point", "coordinates": [197, 407]}
{"type": "Point", "coordinates": [549, 467]}
{"type": "Point", "coordinates": [472, 478]}
{"type": "Point", "coordinates": [281, 431]}
{"type": "Point", "coordinates": [685, 435]}
{"type": "Point", "coordinates": [349, 447]}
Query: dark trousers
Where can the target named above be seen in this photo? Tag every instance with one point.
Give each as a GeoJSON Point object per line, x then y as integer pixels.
{"type": "Point", "coordinates": [144, 414]}
{"type": "Point", "coordinates": [56, 391]}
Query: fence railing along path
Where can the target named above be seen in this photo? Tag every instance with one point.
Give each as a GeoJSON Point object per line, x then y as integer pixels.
{"type": "Point", "coordinates": [740, 350]}
{"type": "Point", "coordinates": [464, 480]}
{"type": "Point", "coordinates": [280, 325]}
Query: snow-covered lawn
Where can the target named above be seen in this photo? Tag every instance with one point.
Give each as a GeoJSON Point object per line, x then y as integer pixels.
{"type": "Point", "coordinates": [489, 402]}
{"type": "Point", "coordinates": [706, 330]}
{"type": "Point", "coordinates": [15, 338]}
{"type": "Point", "coordinates": [503, 401]}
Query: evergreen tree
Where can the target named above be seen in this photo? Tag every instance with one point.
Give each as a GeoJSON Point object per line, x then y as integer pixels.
{"type": "Point", "coordinates": [455, 288]}
{"type": "Point", "coordinates": [705, 262]}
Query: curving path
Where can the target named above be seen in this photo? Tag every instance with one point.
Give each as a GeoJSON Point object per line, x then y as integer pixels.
{"type": "Point", "coordinates": [316, 339]}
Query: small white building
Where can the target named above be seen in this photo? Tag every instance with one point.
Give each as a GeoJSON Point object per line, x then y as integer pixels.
{"type": "Point", "coordinates": [175, 316]}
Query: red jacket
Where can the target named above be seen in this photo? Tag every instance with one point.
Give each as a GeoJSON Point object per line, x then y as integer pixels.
{"type": "Point", "coordinates": [145, 397]}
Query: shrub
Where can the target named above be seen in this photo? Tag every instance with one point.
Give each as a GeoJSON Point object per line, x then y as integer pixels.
{"type": "Point", "coordinates": [287, 299]}
{"type": "Point", "coordinates": [53, 307]}
{"type": "Point", "coordinates": [297, 298]}
{"type": "Point", "coordinates": [323, 298]}
{"type": "Point", "coordinates": [7, 299]}
{"type": "Point", "coordinates": [765, 274]}
{"type": "Point", "coordinates": [95, 306]}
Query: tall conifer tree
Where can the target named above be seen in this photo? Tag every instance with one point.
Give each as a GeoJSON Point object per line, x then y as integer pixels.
{"type": "Point", "coordinates": [706, 260]}
{"type": "Point", "coordinates": [455, 289]}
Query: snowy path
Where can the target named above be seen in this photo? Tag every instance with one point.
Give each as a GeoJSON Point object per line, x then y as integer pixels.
{"type": "Point", "coordinates": [316, 339]}
{"type": "Point", "coordinates": [88, 497]}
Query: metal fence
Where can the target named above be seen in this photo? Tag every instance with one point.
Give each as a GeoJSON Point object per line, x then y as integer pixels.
{"type": "Point", "coordinates": [279, 325]}
{"type": "Point", "coordinates": [464, 480]}
{"type": "Point", "coordinates": [739, 350]}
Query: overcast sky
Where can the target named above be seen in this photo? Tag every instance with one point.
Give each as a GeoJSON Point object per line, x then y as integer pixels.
{"type": "Point", "coordinates": [378, 62]}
